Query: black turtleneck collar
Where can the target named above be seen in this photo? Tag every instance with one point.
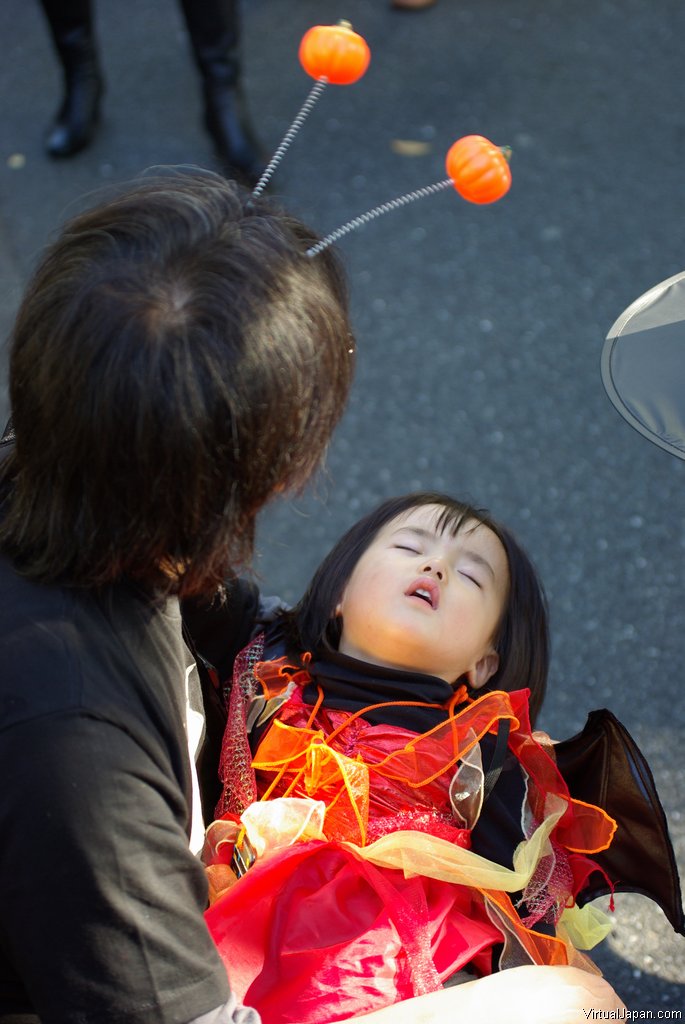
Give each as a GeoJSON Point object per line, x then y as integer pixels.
{"type": "Point", "coordinates": [349, 685]}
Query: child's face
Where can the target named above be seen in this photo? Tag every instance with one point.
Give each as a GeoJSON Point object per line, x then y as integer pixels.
{"type": "Point", "coordinates": [427, 601]}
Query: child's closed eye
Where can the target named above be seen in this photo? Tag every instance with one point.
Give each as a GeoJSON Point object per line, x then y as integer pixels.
{"type": "Point", "coordinates": [467, 574]}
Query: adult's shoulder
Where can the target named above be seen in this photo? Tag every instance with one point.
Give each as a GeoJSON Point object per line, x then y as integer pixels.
{"type": "Point", "coordinates": [109, 653]}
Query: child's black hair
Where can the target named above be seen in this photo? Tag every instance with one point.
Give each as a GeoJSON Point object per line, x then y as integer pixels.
{"type": "Point", "coordinates": [522, 639]}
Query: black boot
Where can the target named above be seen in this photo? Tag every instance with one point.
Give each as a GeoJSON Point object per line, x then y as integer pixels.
{"type": "Point", "coordinates": [71, 25]}
{"type": "Point", "coordinates": [214, 34]}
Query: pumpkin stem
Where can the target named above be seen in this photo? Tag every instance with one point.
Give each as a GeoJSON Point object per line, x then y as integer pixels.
{"type": "Point", "coordinates": [345, 24]}
{"type": "Point", "coordinates": [506, 153]}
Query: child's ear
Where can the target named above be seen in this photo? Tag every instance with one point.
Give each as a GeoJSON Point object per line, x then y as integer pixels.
{"type": "Point", "coordinates": [338, 609]}
{"type": "Point", "coordinates": [483, 670]}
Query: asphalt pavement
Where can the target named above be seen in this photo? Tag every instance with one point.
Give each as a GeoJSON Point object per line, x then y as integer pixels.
{"type": "Point", "coordinates": [480, 329]}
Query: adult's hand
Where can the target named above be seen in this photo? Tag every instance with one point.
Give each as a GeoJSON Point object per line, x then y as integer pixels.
{"type": "Point", "coordinates": [521, 995]}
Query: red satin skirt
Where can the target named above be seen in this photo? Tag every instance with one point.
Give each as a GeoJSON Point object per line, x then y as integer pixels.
{"type": "Point", "coordinates": [314, 933]}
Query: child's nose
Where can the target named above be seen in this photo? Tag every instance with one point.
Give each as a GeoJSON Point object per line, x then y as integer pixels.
{"type": "Point", "coordinates": [436, 568]}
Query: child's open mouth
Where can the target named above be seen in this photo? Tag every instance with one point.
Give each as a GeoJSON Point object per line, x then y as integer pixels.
{"type": "Point", "coordinates": [426, 589]}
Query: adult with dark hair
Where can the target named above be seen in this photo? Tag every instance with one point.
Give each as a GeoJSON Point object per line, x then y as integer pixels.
{"type": "Point", "coordinates": [175, 361]}
{"type": "Point", "coordinates": [214, 31]}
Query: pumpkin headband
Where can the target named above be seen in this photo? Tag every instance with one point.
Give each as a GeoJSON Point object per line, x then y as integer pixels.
{"type": "Point", "coordinates": [336, 55]}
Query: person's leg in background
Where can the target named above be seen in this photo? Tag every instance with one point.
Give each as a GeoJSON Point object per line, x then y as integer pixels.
{"type": "Point", "coordinates": [73, 35]}
{"type": "Point", "coordinates": [214, 30]}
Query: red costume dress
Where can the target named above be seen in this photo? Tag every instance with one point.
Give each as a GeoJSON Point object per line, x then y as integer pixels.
{"type": "Point", "coordinates": [368, 886]}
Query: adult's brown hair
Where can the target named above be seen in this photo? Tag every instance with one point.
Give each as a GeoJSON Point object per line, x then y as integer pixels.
{"type": "Point", "coordinates": [176, 360]}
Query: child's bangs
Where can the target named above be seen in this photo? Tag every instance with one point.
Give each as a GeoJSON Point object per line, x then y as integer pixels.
{"type": "Point", "coordinates": [454, 516]}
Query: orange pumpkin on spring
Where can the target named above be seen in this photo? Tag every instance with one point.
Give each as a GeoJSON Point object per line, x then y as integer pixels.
{"type": "Point", "coordinates": [334, 52]}
{"type": "Point", "coordinates": [479, 170]}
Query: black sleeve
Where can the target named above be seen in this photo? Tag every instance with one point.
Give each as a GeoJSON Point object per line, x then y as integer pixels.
{"type": "Point", "coordinates": [216, 631]}
{"type": "Point", "coordinates": [499, 829]}
{"type": "Point", "coordinates": [101, 900]}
